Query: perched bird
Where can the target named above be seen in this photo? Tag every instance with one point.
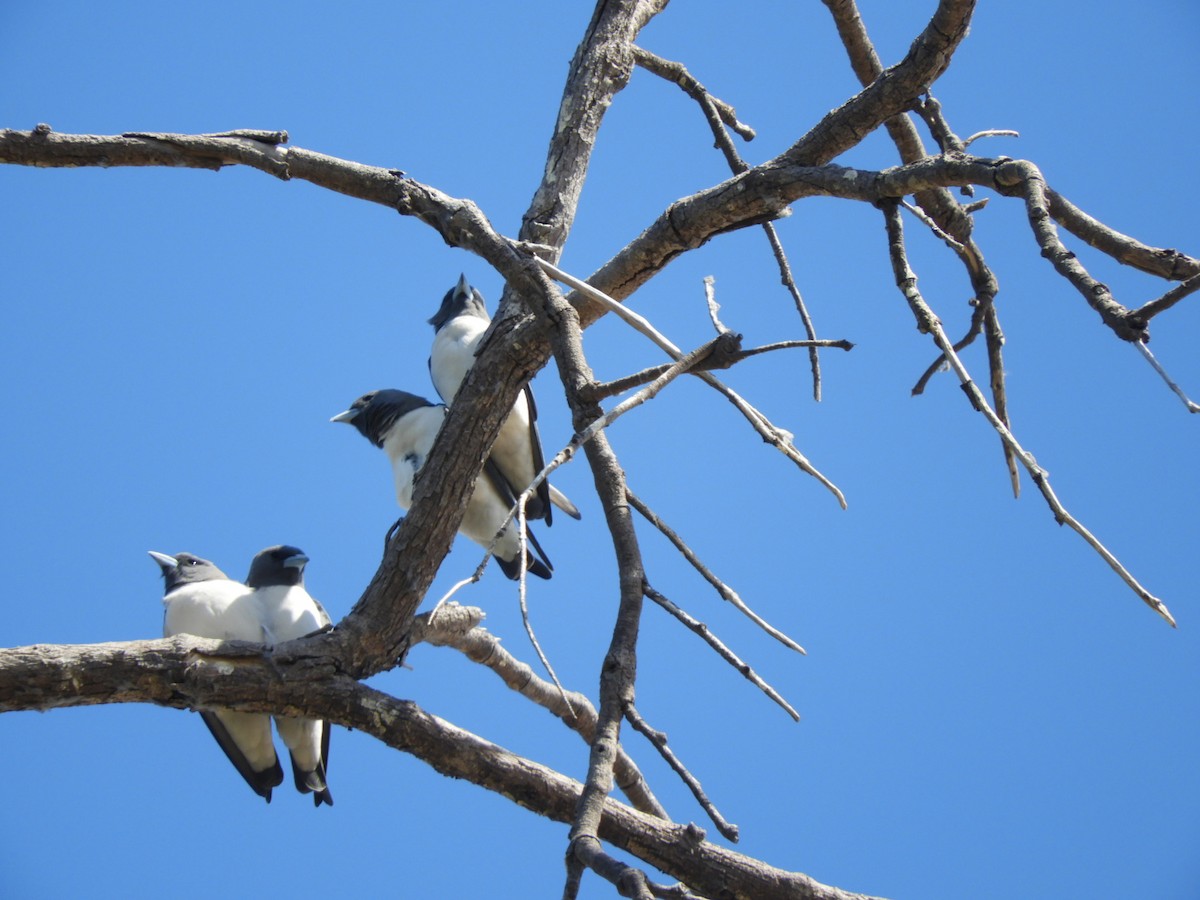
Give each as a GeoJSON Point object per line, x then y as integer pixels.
{"type": "Point", "coordinates": [458, 326]}
{"type": "Point", "coordinates": [405, 425]}
{"type": "Point", "coordinates": [202, 600]}
{"type": "Point", "coordinates": [289, 612]}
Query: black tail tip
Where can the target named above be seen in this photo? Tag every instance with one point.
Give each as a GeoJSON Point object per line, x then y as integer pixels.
{"type": "Point", "coordinates": [533, 565]}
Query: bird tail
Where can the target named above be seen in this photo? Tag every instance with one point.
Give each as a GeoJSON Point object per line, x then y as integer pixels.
{"type": "Point", "coordinates": [312, 782]}
{"type": "Point", "coordinates": [260, 781]}
{"type": "Point", "coordinates": [559, 499]}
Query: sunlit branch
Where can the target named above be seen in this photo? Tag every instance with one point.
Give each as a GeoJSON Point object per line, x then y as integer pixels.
{"type": "Point", "coordinates": [776, 437]}
{"type": "Point", "coordinates": [659, 741]}
{"type": "Point", "coordinates": [906, 280]}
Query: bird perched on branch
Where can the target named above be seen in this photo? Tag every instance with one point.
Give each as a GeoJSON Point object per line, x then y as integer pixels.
{"type": "Point", "coordinates": [289, 612]}
{"type": "Point", "coordinates": [458, 326]}
{"type": "Point", "coordinates": [272, 607]}
{"type": "Point", "coordinates": [404, 426]}
{"type": "Point", "coordinates": [202, 600]}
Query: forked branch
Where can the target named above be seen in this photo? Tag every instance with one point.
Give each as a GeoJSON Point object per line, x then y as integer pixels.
{"type": "Point", "coordinates": [927, 322]}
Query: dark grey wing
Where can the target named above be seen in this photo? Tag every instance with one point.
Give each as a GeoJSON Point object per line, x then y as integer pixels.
{"type": "Point", "coordinates": [324, 796]}
{"type": "Point", "coordinates": [540, 567]}
{"type": "Point", "coordinates": [538, 506]}
{"type": "Point", "coordinates": [536, 565]}
{"type": "Point", "coordinates": [492, 473]}
{"type": "Point", "coordinates": [326, 622]}
{"type": "Point", "coordinates": [429, 366]}
{"type": "Point", "coordinates": [260, 782]}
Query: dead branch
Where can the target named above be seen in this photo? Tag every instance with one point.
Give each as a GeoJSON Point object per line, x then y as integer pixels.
{"type": "Point", "coordinates": [300, 679]}
{"type": "Point", "coordinates": [778, 438]}
{"type": "Point", "coordinates": [705, 633]}
{"type": "Point", "coordinates": [458, 628]}
{"type": "Point", "coordinates": [719, 115]}
{"type": "Point", "coordinates": [659, 742]}
{"type": "Point", "coordinates": [726, 592]}
{"type": "Point", "coordinates": [929, 323]}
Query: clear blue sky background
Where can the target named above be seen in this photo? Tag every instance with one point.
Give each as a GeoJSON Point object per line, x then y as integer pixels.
{"type": "Point", "coordinates": [987, 709]}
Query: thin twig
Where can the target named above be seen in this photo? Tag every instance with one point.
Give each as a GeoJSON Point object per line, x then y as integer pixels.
{"type": "Point", "coordinates": [710, 363]}
{"type": "Point", "coordinates": [522, 597]}
{"type": "Point", "coordinates": [714, 307]}
{"type": "Point", "coordinates": [780, 439]}
{"type": "Point", "coordinates": [1150, 358]}
{"type": "Point", "coordinates": [789, 282]}
{"type": "Point", "coordinates": [991, 132]}
{"type": "Point", "coordinates": [458, 627]}
{"type": "Point", "coordinates": [994, 335]}
{"type": "Point", "coordinates": [727, 593]}
{"type": "Point", "coordinates": [906, 280]}
{"type": "Point", "coordinates": [1170, 298]}
{"type": "Point", "coordinates": [699, 628]}
{"type": "Point", "coordinates": [679, 75]}
{"type": "Point", "coordinates": [715, 114]}
{"type": "Point", "coordinates": [459, 585]}
{"type": "Point", "coordinates": [518, 510]}
{"type": "Point", "coordinates": [950, 242]}
{"type": "Point", "coordinates": [659, 741]}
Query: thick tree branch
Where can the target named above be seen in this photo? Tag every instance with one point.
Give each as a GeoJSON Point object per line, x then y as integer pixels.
{"type": "Point", "coordinates": [193, 673]}
{"type": "Point", "coordinates": [891, 93]}
{"type": "Point", "coordinates": [599, 70]}
{"type": "Point", "coordinates": [1169, 264]}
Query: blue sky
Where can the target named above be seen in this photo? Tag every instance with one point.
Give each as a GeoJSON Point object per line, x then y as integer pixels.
{"type": "Point", "coordinates": [984, 703]}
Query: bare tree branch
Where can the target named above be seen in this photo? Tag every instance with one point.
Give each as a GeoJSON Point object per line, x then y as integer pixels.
{"type": "Point", "coordinates": [705, 633]}
{"type": "Point", "coordinates": [719, 114]}
{"type": "Point", "coordinates": [659, 741]}
{"type": "Point", "coordinates": [457, 627]}
{"type": "Point", "coordinates": [928, 322]}
{"type": "Point", "coordinates": [1176, 389]}
{"type": "Point", "coordinates": [778, 438]}
{"type": "Point", "coordinates": [1169, 264]}
{"type": "Point", "coordinates": [194, 673]}
{"type": "Point", "coordinates": [727, 593]}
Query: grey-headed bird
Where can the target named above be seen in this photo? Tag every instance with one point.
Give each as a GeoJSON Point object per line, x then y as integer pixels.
{"type": "Point", "coordinates": [289, 612]}
{"type": "Point", "coordinates": [458, 326]}
{"type": "Point", "coordinates": [202, 600]}
{"type": "Point", "coordinates": [404, 426]}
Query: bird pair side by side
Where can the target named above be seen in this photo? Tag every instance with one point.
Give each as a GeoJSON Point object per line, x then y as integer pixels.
{"type": "Point", "coordinates": [405, 425]}
{"type": "Point", "coordinates": [270, 608]}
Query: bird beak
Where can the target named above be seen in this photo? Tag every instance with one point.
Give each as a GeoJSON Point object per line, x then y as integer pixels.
{"type": "Point", "coordinates": [167, 562]}
{"type": "Point", "coordinates": [463, 286]}
{"type": "Point", "coordinates": [297, 561]}
{"type": "Point", "coordinates": [348, 416]}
